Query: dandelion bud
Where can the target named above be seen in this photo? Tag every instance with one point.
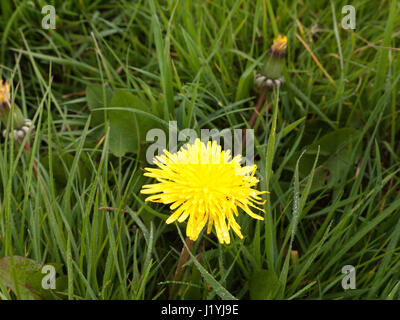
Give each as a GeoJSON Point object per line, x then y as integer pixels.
{"type": "Point", "coordinates": [272, 71]}
{"type": "Point", "coordinates": [4, 99]}
{"type": "Point", "coordinates": [21, 125]}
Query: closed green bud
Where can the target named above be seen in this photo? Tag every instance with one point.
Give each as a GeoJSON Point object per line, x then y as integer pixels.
{"type": "Point", "coordinates": [4, 100]}
{"type": "Point", "coordinates": [273, 67]}
{"type": "Point", "coordinates": [22, 126]}
{"type": "Point", "coordinates": [6, 109]}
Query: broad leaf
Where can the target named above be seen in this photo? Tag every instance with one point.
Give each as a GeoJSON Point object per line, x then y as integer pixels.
{"type": "Point", "coordinates": [97, 97]}
{"type": "Point", "coordinates": [263, 285]}
{"type": "Point", "coordinates": [336, 149]}
{"type": "Point", "coordinates": [24, 276]}
{"type": "Point", "coordinates": [127, 128]}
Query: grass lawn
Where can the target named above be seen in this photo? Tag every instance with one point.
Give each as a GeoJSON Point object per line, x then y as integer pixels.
{"type": "Point", "coordinates": [326, 146]}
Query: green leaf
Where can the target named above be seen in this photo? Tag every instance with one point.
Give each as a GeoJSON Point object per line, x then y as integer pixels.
{"type": "Point", "coordinates": [128, 129]}
{"type": "Point", "coordinates": [24, 276]}
{"type": "Point", "coordinates": [211, 281]}
{"type": "Point", "coordinates": [335, 156]}
{"type": "Point", "coordinates": [98, 96]}
{"type": "Point", "coordinates": [62, 164]}
{"type": "Point", "coordinates": [263, 285]}
{"type": "Point", "coordinates": [194, 292]}
{"type": "Point", "coordinates": [290, 127]}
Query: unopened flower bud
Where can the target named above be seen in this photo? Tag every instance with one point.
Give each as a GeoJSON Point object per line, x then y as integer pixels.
{"type": "Point", "coordinates": [273, 67]}
{"type": "Point", "coordinates": [4, 99]}
{"type": "Point", "coordinates": [21, 125]}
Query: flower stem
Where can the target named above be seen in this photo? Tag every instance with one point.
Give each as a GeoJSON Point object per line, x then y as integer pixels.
{"type": "Point", "coordinates": [257, 109]}
{"type": "Point", "coordinates": [181, 265]}
{"type": "Point", "coordinates": [28, 150]}
{"type": "Point", "coordinates": [256, 112]}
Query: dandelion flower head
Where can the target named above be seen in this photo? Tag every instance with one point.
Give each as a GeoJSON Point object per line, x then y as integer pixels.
{"type": "Point", "coordinates": [205, 184]}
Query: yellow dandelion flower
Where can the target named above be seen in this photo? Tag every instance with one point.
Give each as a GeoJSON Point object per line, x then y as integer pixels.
{"type": "Point", "coordinates": [206, 185]}
{"type": "Point", "coordinates": [4, 93]}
